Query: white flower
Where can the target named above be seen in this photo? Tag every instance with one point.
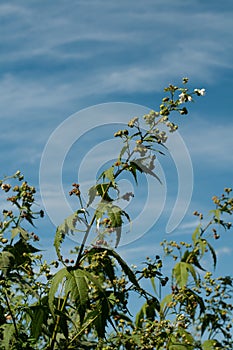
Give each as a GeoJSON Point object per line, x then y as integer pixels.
{"type": "Point", "coordinates": [182, 97]}
{"type": "Point", "coordinates": [200, 92]}
{"type": "Point", "coordinates": [189, 98]}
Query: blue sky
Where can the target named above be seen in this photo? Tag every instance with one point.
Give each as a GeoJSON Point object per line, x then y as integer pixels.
{"type": "Point", "coordinates": [58, 58]}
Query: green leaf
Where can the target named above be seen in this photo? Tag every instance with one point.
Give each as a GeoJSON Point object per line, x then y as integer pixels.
{"type": "Point", "coordinates": [92, 194]}
{"type": "Point", "coordinates": [133, 169]}
{"type": "Point", "coordinates": [191, 258]}
{"type": "Point", "coordinates": [109, 174]}
{"type": "Point", "coordinates": [103, 315]}
{"type": "Point", "coordinates": [109, 269]}
{"type": "Point", "coordinates": [101, 210]}
{"type": "Point", "coordinates": [152, 305]}
{"type": "Point", "coordinates": [209, 344]}
{"type": "Point", "coordinates": [58, 279]}
{"type": "Point", "coordinates": [196, 234]}
{"type": "Point", "coordinates": [14, 232]}
{"type": "Point", "coordinates": [7, 260]}
{"type": "Point", "coordinates": [207, 319]}
{"type": "Point", "coordinates": [202, 245]}
{"type": "Point", "coordinates": [180, 273]}
{"type": "Point", "coordinates": [216, 213]}
{"type": "Point", "coordinates": [90, 318]}
{"type": "Point", "coordinates": [140, 316]}
{"type": "Point", "coordinates": [196, 263]}
{"type": "Point", "coordinates": [114, 214]}
{"type": "Point", "coordinates": [8, 334]}
{"type": "Point", "coordinates": [18, 250]}
{"type": "Point", "coordinates": [152, 279]}
{"type": "Point", "coordinates": [125, 268]}
{"type": "Point", "coordinates": [77, 287]}
{"type": "Point", "coordinates": [93, 279]}
{"type": "Point", "coordinates": [166, 300]}
{"type": "Point", "coordinates": [59, 238]}
{"type": "Point", "coordinates": [102, 190]}
{"type": "Point", "coordinates": [179, 347]}
{"type": "Point", "coordinates": [214, 256]}
{"type": "Point", "coordinates": [151, 138]}
{"type": "Point", "coordinates": [23, 233]}
{"type": "Point", "coordinates": [186, 255]}
{"type": "Point", "coordinates": [145, 169]}
{"type": "Point", "coordinates": [39, 317]}
{"type": "Point", "coordinates": [122, 152]}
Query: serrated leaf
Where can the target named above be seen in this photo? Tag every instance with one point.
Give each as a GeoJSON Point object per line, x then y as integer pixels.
{"type": "Point", "coordinates": [39, 316]}
{"type": "Point", "coordinates": [23, 233]}
{"type": "Point", "coordinates": [77, 287]}
{"type": "Point", "coordinates": [101, 321]}
{"type": "Point", "coordinates": [147, 170]}
{"type": "Point", "coordinates": [180, 272]}
{"type": "Point", "coordinates": [109, 174]}
{"type": "Point", "coordinates": [57, 279]}
{"type": "Point", "coordinates": [196, 234]}
{"type": "Point", "coordinates": [191, 258]}
{"type": "Point", "coordinates": [93, 279]}
{"type": "Point", "coordinates": [92, 194]}
{"type": "Point", "coordinates": [133, 169]}
{"type": "Point", "coordinates": [18, 250]}
{"type": "Point", "coordinates": [58, 239]}
{"type": "Point", "coordinates": [101, 210]}
{"type": "Point", "coordinates": [102, 305]}
{"type": "Point", "coordinates": [216, 213]}
{"type": "Point", "coordinates": [71, 222]}
{"type": "Point", "coordinates": [8, 334]}
{"type": "Point", "coordinates": [90, 318]}
{"type": "Point", "coordinates": [196, 263]}
{"type": "Point", "coordinates": [127, 270]}
{"type": "Point", "coordinates": [122, 152]}
{"type": "Point", "coordinates": [200, 302]}
{"type": "Point", "coordinates": [109, 269]}
{"type": "Point", "coordinates": [102, 190]}
{"type": "Point", "coordinates": [142, 168]}
{"type": "Point", "coordinates": [114, 214]}
{"type": "Point", "coordinates": [214, 256]}
{"type": "Point", "coordinates": [63, 230]}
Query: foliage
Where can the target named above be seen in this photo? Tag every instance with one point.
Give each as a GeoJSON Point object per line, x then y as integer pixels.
{"type": "Point", "coordinates": [85, 304]}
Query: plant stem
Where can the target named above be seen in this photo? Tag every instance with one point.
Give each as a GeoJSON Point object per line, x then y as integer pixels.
{"type": "Point", "coordinates": [11, 314]}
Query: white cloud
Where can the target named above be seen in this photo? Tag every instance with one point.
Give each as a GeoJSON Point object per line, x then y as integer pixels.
{"type": "Point", "coordinates": [151, 39]}
{"type": "Point", "coordinates": [223, 251]}
{"type": "Point", "coordinates": [210, 142]}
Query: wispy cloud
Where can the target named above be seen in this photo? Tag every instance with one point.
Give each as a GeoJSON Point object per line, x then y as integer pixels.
{"type": "Point", "coordinates": [210, 142]}
{"type": "Point", "coordinates": [60, 50]}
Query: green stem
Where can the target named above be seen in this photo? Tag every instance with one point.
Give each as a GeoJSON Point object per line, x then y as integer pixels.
{"type": "Point", "coordinates": [119, 171]}
{"type": "Point", "coordinates": [55, 330]}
